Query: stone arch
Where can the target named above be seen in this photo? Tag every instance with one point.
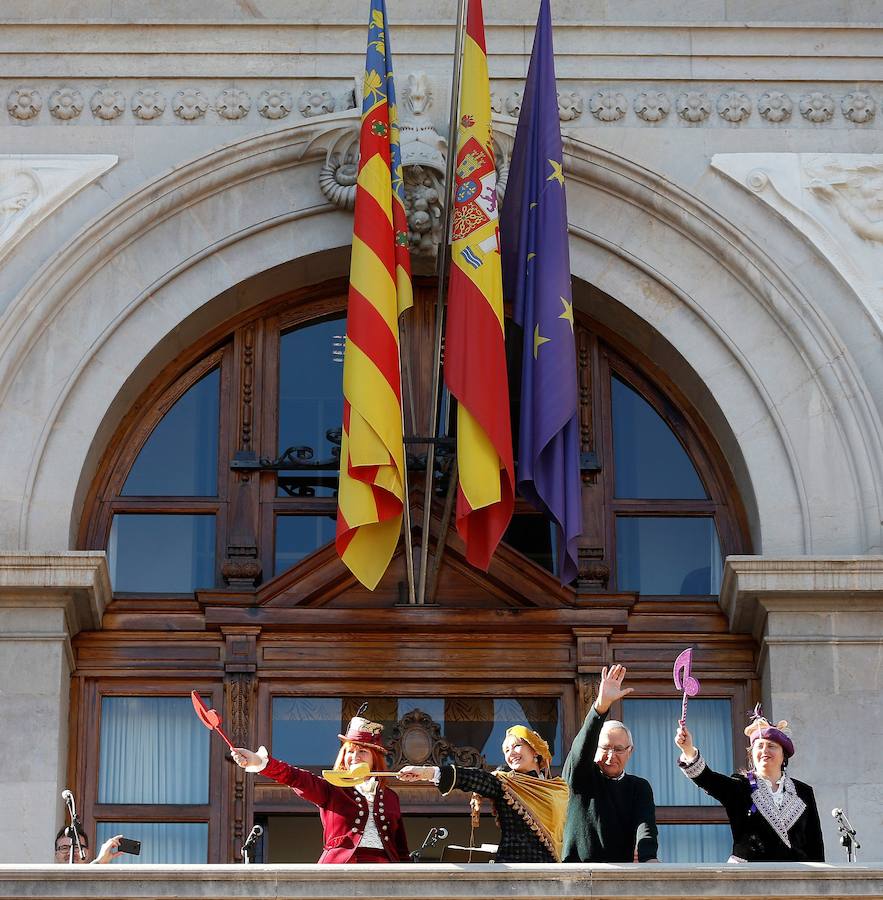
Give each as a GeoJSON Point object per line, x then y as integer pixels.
{"type": "Point", "coordinates": [130, 287]}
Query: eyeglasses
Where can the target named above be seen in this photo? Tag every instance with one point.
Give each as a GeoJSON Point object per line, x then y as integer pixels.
{"type": "Point", "coordinates": [619, 750]}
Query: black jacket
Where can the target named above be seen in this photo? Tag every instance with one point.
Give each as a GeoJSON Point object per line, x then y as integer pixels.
{"type": "Point", "coordinates": [518, 843]}
{"type": "Point", "coordinates": [755, 837]}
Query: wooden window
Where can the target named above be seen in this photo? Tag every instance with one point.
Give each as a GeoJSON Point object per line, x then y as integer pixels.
{"type": "Point", "coordinates": [150, 770]}
{"type": "Point", "coordinates": [660, 506]}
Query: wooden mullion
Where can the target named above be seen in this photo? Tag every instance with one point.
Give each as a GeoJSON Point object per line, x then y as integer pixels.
{"type": "Point", "coordinates": [658, 508]}
{"type": "Point", "coordinates": [151, 812]}
{"type": "Point", "coordinates": [691, 815]}
{"type": "Point", "coordinates": [159, 505]}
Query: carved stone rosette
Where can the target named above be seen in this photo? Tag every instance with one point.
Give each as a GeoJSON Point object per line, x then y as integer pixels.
{"type": "Point", "coordinates": [693, 107]}
{"type": "Point", "coordinates": [189, 104]}
{"type": "Point", "coordinates": [148, 103]}
{"type": "Point", "coordinates": [24, 103]}
{"type": "Point", "coordinates": [734, 106]}
{"type": "Point", "coordinates": [608, 106]}
{"type": "Point", "coordinates": [274, 103]}
{"type": "Point", "coordinates": [107, 104]}
{"type": "Point", "coordinates": [232, 104]}
{"type": "Point", "coordinates": [66, 103]}
{"type": "Point", "coordinates": [817, 107]}
{"type": "Point", "coordinates": [775, 106]}
{"type": "Point", "coordinates": [652, 106]}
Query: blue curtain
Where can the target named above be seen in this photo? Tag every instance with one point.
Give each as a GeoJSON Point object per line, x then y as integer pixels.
{"type": "Point", "coordinates": [653, 724]}
{"type": "Point", "coordinates": [153, 750]}
{"type": "Point", "coordinates": [161, 842]}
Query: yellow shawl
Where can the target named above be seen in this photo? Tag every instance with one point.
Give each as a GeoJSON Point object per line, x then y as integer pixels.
{"type": "Point", "coordinates": [541, 803]}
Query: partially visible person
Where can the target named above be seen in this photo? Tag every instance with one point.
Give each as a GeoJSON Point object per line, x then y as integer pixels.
{"type": "Point", "coordinates": [361, 824]}
{"type": "Point", "coordinates": [528, 803]}
{"type": "Point", "coordinates": [773, 817]}
{"type": "Point", "coordinates": [109, 849]}
{"type": "Point", "coordinates": [611, 817]}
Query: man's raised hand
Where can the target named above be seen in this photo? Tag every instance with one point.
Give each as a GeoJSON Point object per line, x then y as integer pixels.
{"type": "Point", "coordinates": [610, 689]}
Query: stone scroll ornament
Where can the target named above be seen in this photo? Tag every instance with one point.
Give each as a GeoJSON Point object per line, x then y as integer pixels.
{"type": "Point", "coordinates": [209, 717]}
{"type": "Point", "coordinates": [684, 681]}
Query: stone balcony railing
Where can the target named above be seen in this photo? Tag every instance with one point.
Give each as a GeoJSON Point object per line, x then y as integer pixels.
{"type": "Point", "coordinates": [442, 881]}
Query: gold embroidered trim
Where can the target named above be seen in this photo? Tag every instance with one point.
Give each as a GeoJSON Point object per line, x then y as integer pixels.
{"type": "Point", "coordinates": [541, 832]}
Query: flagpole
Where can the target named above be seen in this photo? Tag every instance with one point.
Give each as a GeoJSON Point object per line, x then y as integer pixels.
{"type": "Point", "coordinates": [406, 506]}
{"type": "Point", "coordinates": [440, 299]}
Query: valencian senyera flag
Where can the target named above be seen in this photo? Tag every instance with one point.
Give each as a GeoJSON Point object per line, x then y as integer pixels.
{"type": "Point", "coordinates": [475, 356]}
{"type": "Point", "coordinates": [536, 266]}
{"type": "Point", "coordinates": [372, 459]}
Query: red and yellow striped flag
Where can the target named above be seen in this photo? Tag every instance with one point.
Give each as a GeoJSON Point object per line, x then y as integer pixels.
{"type": "Point", "coordinates": [372, 458]}
{"type": "Point", "coordinates": [475, 354]}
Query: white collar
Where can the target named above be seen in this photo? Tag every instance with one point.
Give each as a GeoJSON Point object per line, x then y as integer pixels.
{"type": "Point", "coordinates": [368, 788]}
{"type": "Point", "coordinates": [772, 785]}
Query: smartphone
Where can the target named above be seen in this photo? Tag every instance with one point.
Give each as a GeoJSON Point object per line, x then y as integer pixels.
{"type": "Point", "coordinates": [127, 845]}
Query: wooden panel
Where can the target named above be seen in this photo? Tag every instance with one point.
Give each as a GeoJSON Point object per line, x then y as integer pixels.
{"type": "Point", "coordinates": [445, 656]}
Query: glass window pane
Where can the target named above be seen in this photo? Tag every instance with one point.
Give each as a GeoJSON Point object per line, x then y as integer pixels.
{"type": "Point", "coordinates": [653, 724]}
{"type": "Point", "coordinates": [311, 386]}
{"type": "Point", "coordinates": [298, 536]}
{"type": "Point", "coordinates": [161, 553]}
{"type": "Point", "coordinates": [180, 458]}
{"type": "Point", "coordinates": [695, 843]}
{"type": "Point", "coordinates": [161, 842]}
{"type": "Point", "coordinates": [649, 461]}
{"type": "Point", "coordinates": [534, 537]}
{"type": "Point", "coordinates": [153, 750]}
{"type": "Point", "coordinates": [668, 555]}
{"type": "Point", "coordinates": [305, 729]}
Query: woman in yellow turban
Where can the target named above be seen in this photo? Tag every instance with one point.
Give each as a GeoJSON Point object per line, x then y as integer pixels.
{"type": "Point", "coordinates": [530, 805]}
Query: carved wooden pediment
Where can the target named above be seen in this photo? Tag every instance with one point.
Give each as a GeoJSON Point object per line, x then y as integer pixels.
{"type": "Point", "coordinates": [416, 740]}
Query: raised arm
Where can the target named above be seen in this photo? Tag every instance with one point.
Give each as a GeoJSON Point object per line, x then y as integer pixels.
{"type": "Point", "coordinates": [305, 784]}
{"type": "Point", "coordinates": [460, 778]}
{"type": "Point", "coordinates": [726, 789]}
{"type": "Point", "coordinates": [581, 758]}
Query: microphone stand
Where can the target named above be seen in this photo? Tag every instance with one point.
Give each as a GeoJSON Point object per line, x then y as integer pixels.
{"type": "Point", "coordinates": [250, 841]}
{"type": "Point", "coordinates": [433, 836]}
{"type": "Point", "coordinates": [74, 830]}
{"type": "Point", "coordinates": [847, 837]}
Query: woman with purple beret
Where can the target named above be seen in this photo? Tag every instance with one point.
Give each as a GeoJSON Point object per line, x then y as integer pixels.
{"type": "Point", "coordinates": [773, 817]}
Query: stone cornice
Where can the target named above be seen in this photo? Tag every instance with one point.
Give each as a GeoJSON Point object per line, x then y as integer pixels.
{"type": "Point", "coordinates": [434, 881]}
{"type": "Point", "coordinates": [287, 49]}
{"type": "Point", "coordinates": [753, 586]}
{"type": "Point", "coordinates": [76, 581]}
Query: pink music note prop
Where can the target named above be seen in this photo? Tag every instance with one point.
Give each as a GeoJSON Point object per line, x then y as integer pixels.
{"type": "Point", "coordinates": [684, 681]}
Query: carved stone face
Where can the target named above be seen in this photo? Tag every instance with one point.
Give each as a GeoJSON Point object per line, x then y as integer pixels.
{"type": "Point", "coordinates": [419, 93]}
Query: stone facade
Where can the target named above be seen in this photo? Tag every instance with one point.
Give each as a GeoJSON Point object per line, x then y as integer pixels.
{"type": "Point", "coordinates": [159, 174]}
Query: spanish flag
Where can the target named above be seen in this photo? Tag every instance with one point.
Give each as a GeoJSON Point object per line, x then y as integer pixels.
{"type": "Point", "coordinates": [372, 459]}
{"type": "Point", "coordinates": [475, 355]}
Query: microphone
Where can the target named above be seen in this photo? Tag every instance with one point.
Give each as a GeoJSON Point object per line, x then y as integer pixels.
{"type": "Point", "coordinates": [252, 838]}
{"type": "Point", "coordinates": [838, 814]}
{"type": "Point", "coordinates": [68, 798]}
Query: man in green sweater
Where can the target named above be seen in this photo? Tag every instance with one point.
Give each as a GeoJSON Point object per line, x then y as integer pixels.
{"type": "Point", "coordinates": [611, 815]}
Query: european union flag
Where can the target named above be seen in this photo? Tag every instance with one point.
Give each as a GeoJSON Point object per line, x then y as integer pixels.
{"type": "Point", "coordinates": [536, 278]}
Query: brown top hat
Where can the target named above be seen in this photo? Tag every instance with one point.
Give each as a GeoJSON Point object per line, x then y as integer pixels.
{"type": "Point", "coordinates": [365, 733]}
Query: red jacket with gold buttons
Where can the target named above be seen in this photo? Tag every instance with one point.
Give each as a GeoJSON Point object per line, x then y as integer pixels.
{"type": "Point", "coordinates": [344, 811]}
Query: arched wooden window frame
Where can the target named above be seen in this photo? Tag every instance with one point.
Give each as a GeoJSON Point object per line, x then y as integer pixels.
{"type": "Point", "coordinates": [247, 353]}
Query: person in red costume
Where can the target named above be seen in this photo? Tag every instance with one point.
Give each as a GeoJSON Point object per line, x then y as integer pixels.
{"type": "Point", "coordinates": [361, 824]}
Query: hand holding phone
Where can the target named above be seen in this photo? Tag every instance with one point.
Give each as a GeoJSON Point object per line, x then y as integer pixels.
{"type": "Point", "coordinates": [127, 845]}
